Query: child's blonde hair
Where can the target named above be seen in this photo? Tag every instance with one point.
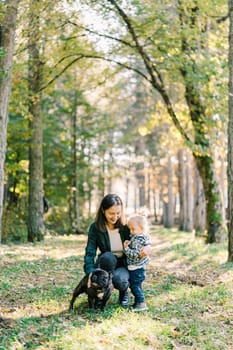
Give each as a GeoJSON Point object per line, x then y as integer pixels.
{"type": "Point", "coordinates": [141, 220]}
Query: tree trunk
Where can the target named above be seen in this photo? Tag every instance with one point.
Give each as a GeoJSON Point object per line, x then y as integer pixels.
{"type": "Point", "coordinates": [181, 184]}
{"type": "Point", "coordinates": [7, 35]}
{"type": "Point", "coordinates": [140, 174]}
{"type": "Point", "coordinates": [169, 204]}
{"type": "Point", "coordinates": [223, 188]}
{"type": "Point", "coordinates": [74, 207]}
{"type": "Point", "coordinates": [213, 199]}
{"type": "Point", "coordinates": [127, 182]}
{"type": "Point", "coordinates": [148, 194]}
{"type": "Point", "coordinates": [189, 193]}
{"type": "Point", "coordinates": [35, 211]}
{"type": "Point", "coordinates": [199, 205]}
{"type": "Point", "coordinates": [141, 185]}
{"type": "Point", "coordinates": [230, 139]}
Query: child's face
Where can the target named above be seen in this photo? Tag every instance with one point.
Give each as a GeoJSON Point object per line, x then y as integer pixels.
{"type": "Point", "coordinates": [135, 228]}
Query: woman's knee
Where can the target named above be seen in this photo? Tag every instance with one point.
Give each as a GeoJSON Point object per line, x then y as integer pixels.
{"type": "Point", "coordinates": [120, 278]}
{"type": "Point", "coordinates": [107, 261]}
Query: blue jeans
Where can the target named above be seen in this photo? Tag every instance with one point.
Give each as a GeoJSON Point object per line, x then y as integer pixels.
{"type": "Point", "coordinates": [136, 277]}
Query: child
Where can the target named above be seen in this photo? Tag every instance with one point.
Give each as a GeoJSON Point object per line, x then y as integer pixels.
{"type": "Point", "coordinates": [139, 238]}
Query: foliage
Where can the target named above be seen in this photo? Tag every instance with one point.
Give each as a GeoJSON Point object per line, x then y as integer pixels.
{"type": "Point", "coordinates": [14, 222]}
{"type": "Point", "coordinates": [188, 291]}
{"type": "Point", "coordinates": [174, 43]}
{"type": "Point", "coordinates": [57, 220]}
{"type": "Point", "coordinates": [116, 109]}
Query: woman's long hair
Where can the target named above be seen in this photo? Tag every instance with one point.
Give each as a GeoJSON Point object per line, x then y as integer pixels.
{"type": "Point", "coordinates": [107, 202]}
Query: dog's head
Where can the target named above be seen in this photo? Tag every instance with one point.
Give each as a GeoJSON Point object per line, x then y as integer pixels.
{"type": "Point", "coordinates": [100, 278]}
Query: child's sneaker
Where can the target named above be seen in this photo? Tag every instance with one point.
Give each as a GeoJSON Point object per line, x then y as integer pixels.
{"type": "Point", "coordinates": [139, 307]}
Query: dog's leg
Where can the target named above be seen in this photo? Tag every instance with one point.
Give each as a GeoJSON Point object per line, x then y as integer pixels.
{"type": "Point", "coordinates": [91, 303]}
{"type": "Point", "coordinates": [81, 288]}
{"type": "Point", "coordinates": [105, 299]}
{"type": "Point", "coordinates": [107, 294]}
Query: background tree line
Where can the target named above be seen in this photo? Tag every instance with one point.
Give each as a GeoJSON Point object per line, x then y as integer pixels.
{"type": "Point", "coordinates": [96, 108]}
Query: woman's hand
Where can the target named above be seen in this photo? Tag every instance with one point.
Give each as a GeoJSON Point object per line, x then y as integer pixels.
{"type": "Point", "coordinates": [145, 251]}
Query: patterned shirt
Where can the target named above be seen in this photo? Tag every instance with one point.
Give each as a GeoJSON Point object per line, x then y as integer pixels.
{"type": "Point", "coordinates": [137, 242]}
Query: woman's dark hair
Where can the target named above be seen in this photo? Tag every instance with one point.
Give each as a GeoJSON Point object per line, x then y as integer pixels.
{"type": "Point", "coordinates": [107, 202]}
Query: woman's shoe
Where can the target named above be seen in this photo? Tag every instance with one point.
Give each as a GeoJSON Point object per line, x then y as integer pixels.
{"type": "Point", "coordinates": [124, 298]}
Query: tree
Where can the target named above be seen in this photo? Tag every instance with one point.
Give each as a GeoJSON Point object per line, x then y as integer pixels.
{"type": "Point", "coordinates": [199, 204]}
{"type": "Point", "coordinates": [189, 193]}
{"type": "Point", "coordinates": [189, 16]}
{"type": "Point", "coordinates": [35, 203]}
{"type": "Point", "coordinates": [230, 138]}
{"type": "Point", "coordinates": [182, 187]}
{"type": "Point", "coordinates": [155, 57]}
{"type": "Point", "coordinates": [168, 219]}
{"type": "Point", "coordinates": [8, 16]}
{"type": "Point", "coordinates": [40, 77]}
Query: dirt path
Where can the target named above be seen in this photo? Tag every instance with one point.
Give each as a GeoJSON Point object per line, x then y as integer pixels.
{"type": "Point", "coordinates": [186, 268]}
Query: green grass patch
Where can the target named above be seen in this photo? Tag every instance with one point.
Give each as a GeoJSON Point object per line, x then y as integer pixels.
{"type": "Point", "coordinates": [188, 289]}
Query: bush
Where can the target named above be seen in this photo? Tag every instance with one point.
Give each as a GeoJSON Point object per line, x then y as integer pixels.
{"type": "Point", "coordinates": [14, 224]}
{"type": "Point", "coordinates": [57, 220]}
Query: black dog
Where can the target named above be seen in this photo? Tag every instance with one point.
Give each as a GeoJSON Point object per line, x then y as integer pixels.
{"type": "Point", "coordinates": [98, 286]}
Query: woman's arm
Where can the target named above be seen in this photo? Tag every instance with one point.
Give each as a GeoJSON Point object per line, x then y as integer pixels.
{"type": "Point", "coordinates": [90, 251]}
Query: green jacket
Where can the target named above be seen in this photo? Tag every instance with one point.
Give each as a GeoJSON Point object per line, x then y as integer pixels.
{"type": "Point", "coordinates": [99, 240]}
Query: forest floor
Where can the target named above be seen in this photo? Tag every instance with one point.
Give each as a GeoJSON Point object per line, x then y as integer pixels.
{"type": "Point", "coordinates": [188, 290]}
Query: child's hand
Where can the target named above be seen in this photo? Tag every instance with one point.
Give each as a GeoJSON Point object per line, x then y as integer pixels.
{"type": "Point", "coordinates": [126, 244]}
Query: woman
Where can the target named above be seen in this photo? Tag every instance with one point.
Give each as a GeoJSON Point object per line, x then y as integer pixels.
{"type": "Point", "coordinates": [107, 234]}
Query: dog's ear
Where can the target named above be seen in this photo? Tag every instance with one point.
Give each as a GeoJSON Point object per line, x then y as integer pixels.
{"type": "Point", "coordinates": [89, 280]}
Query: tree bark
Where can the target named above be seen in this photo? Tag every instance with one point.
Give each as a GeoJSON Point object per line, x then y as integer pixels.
{"type": "Point", "coordinates": [189, 193]}
{"type": "Point", "coordinates": [223, 173]}
{"type": "Point", "coordinates": [140, 173]}
{"type": "Point", "coordinates": [181, 184]}
{"type": "Point", "coordinates": [35, 212]}
{"type": "Point", "coordinates": [213, 198]}
{"type": "Point", "coordinates": [74, 210]}
{"type": "Point", "coordinates": [169, 204]}
{"type": "Point", "coordinates": [199, 205]}
{"type": "Point", "coordinates": [230, 138]}
{"type": "Point", "coordinates": [7, 35]}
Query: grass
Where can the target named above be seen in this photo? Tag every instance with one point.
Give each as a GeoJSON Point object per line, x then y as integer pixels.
{"type": "Point", "coordinates": [188, 289]}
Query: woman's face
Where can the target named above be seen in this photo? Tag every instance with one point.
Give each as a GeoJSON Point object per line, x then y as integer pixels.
{"type": "Point", "coordinates": [112, 214]}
